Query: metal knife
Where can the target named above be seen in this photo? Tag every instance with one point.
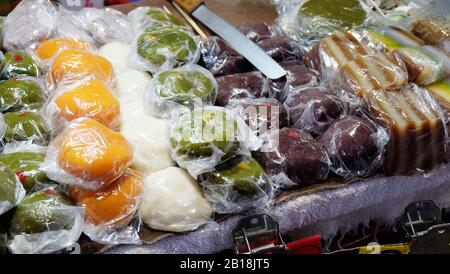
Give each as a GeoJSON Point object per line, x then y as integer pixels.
{"type": "Point", "coordinates": [235, 38]}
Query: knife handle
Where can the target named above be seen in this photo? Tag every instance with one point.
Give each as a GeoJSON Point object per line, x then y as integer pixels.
{"type": "Point", "coordinates": [188, 5]}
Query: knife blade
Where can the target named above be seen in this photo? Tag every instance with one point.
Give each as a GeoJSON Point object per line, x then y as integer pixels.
{"type": "Point", "coordinates": [237, 40]}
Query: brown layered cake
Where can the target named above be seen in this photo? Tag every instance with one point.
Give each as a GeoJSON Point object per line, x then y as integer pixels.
{"type": "Point", "coordinates": [416, 125]}
{"type": "Point", "coordinates": [432, 29]}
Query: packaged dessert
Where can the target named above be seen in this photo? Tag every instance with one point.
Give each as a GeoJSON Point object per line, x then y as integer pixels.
{"type": "Point", "coordinates": [30, 22]}
{"type": "Point", "coordinates": [292, 158]}
{"type": "Point", "coordinates": [12, 191]}
{"type": "Point", "coordinates": [441, 92]}
{"type": "Point", "coordinates": [390, 38]}
{"type": "Point", "coordinates": [440, 53]}
{"type": "Point", "coordinates": [50, 48]}
{"type": "Point", "coordinates": [45, 221]}
{"type": "Point", "coordinates": [151, 17]}
{"type": "Point", "coordinates": [220, 59]}
{"type": "Point", "coordinates": [236, 187]}
{"type": "Point", "coordinates": [432, 29]}
{"type": "Point", "coordinates": [355, 145]}
{"type": "Point", "coordinates": [282, 48]}
{"type": "Point", "coordinates": [176, 91]}
{"type": "Point", "coordinates": [26, 126]}
{"type": "Point", "coordinates": [241, 85]}
{"type": "Point", "coordinates": [208, 136]}
{"type": "Point", "coordinates": [116, 53]}
{"type": "Point", "coordinates": [17, 63]}
{"type": "Point", "coordinates": [110, 210]}
{"type": "Point", "coordinates": [258, 31]}
{"type": "Point", "coordinates": [21, 93]}
{"type": "Point", "coordinates": [88, 155]}
{"type": "Point", "coordinates": [313, 110]}
{"type": "Point", "coordinates": [416, 126]}
{"type": "Point", "coordinates": [173, 201]}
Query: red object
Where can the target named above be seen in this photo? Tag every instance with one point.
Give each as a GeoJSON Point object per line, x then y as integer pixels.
{"type": "Point", "coordinates": [17, 58]}
{"type": "Point", "coordinates": [49, 192]}
{"type": "Point", "coordinates": [21, 176]}
{"type": "Point", "coordinates": [310, 245]}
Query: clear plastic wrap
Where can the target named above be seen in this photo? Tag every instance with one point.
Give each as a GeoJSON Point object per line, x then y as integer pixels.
{"type": "Point", "coordinates": [173, 201]}
{"type": "Point", "coordinates": [176, 91]}
{"type": "Point", "coordinates": [25, 161]}
{"type": "Point", "coordinates": [261, 114]}
{"type": "Point", "coordinates": [355, 145]}
{"type": "Point", "coordinates": [432, 22]}
{"type": "Point", "coordinates": [237, 186]}
{"type": "Point", "coordinates": [257, 31]}
{"type": "Point", "coordinates": [313, 110]}
{"type": "Point", "coordinates": [282, 48]}
{"type": "Point", "coordinates": [11, 190]}
{"type": "Point", "coordinates": [44, 222]}
{"type": "Point", "coordinates": [18, 62]}
{"type": "Point", "coordinates": [149, 137]}
{"type": "Point", "coordinates": [97, 26]}
{"type": "Point", "coordinates": [89, 99]}
{"type": "Point", "coordinates": [310, 20]}
{"type": "Point", "coordinates": [110, 211]}
{"type": "Point", "coordinates": [116, 53]}
{"type": "Point", "coordinates": [241, 85]}
{"type": "Point", "coordinates": [74, 65]}
{"type": "Point", "coordinates": [441, 54]}
{"type": "Point", "coordinates": [30, 22]}
{"type": "Point", "coordinates": [27, 127]}
{"type": "Point", "coordinates": [46, 50]}
{"type": "Point", "coordinates": [150, 17]}
{"type": "Point", "coordinates": [219, 58]}
{"type": "Point", "coordinates": [21, 93]}
{"type": "Point", "coordinates": [208, 136]}
{"type": "Point", "coordinates": [416, 125]}
{"type": "Point", "coordinates": [389, 38]}
{"type": "Point", "coordinates": [131, 87]}
{"type": "Point", "coordinates": [88, 155]}
{"type": "Point", "coordinates": [292, 158]}
{"type": "Point", "coordinates": [164, 48]}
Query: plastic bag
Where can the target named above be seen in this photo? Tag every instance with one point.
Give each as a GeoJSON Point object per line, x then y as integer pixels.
{"type": "Point", "coordinates": [88, 155]}
{"type": "Point", "coordinates": [44, 222]}
{"type": "Point", "coordinates": [26, 127]}
{"type": "Point", "coordinates": [45, 51]}
{"type": "Point", "coordinates": [18, 62]}
{"type": "Point", "coordinates": [261, 114]}
{"type": "Point", "coordinates": [25, 161]}
{"type": "Point", "coordinates": [116, 53]}
{"type": "Point", "coordinates": [89, 99]}
{"type": "Point", "coordinates": [164, 48]}
{"type": "Point", "coordinates": [282, 48]}
{"type": "Point", "coordinates": [110, 211]}
{"type": "Point", "coordinates": [237, 186]}
{"type": "Point", "coordinates": [75, 65]}
{"type": "Point", "coordinates": [30, 22]}
{"type": "Point", "coordinates": [173, 201]}
{"type": "Point", "coordinates": [258, 31]}
{"type": "Point", "coordinates": [416, 125]}
{"type": "Point", "coordinates": [241, 85]}
{"type": "Point", "coordinates": [432, 22]}
{"type": "Point", "coordinates": [208, 136]}
{"type": "Point", "coordinates": [21, 93]}
{"type": "Point", "coordinates": [313, 110]}
{"type": "Point", "coordinates": [388, 38]}
{"type": "Point", "coordinates": [292, 158]}
{"type": "Point", "coordinates": [11, 190]}
{"type": "Point", "coordinates": [131, 87]}
{"type": "Point", "coordinates": [150, 138]}
{"type": "Point", "coordinates": [150, 17]}
{"type": "Point", "coordinates": [174, 92]}
{"type": "Point", "coordinates": [219, 58]}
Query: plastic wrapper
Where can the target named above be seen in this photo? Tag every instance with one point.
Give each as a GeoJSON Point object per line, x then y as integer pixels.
{"type": "Point", "coordinates": [292, 158]}
{"type": "Point", "coordinates": [416, 125]}
{"type": "Point", "coordinates": [282, 48]}
{"type": "Point", "coordinates": [131, 87]}
{"type": "Point", "coordinates": [441, 55]}
{"type": "Point", "coordinates": [310, 20]}
{"type": "Point", "coordinates": [110, 210]}
{"type": "Point", "coordinates": [97, 26]}
{"type": "Point", "coordinates": [75, 65]}
{"type": "Point", "coordinates": [150, 17]}
{"type": "Point", "coordinates": [208, 136]}
{"type": "Point", "coordinates": [238, 186]}
{"type": "Point", "coordinates": [241, 85]}
{"type": "Point", "coordinates": [88, 155]}
{"type": "Point", "coordinates": [26, 127]}
{"type": "Point", "coordinates": [164, 48]}
{"type": "Point", "coordinates": [149, 137]}
{"type": "Point", "coordinates": [219, 58]}
{"type": "Point", "coordinates": [11, 190]}
{"type": "Point", "coordinates": [258, 31]}
{"type": "Point", "coordinates": [116, 53]}
{"type": "Point", "coordinates": [89, 99]}
{"type": "Point", "coordinates": [45, 222]}
{"type": "Point", "coordinates": [355, 145]}
{"type": "Point", "coordinates": [24, 93]}
{"type": "Point", "coordinates": [389, 38]}
{"type": "Point", "coordinates": [48, 49]}
{"type": "Point", "coordinates": [17, 63]}
{"type": "Point", "coordinates": [173, 201]}
{"type": "Point", "coordinates": [176, 91]}
{"type": "Point", "coordinates": [30, 22]}
{"type": "Point", "coordinates": [433, 23]}
{"type": "Point", "coordinates": [261, 114]}
{"type": "Point", "coordinates": [423, 68]}
{"type": "Point", "coordinates": [298, 76]}
{"type": "Point", "coordinates": [25, 161]}
{"type": "Point", "coordinates": [313, 110]}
